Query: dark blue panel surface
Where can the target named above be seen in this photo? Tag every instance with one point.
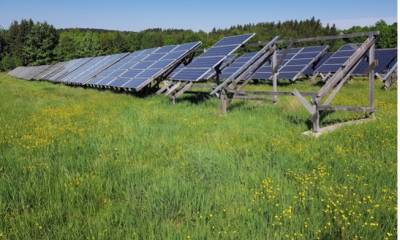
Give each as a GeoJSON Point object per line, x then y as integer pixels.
{"type": "Point", "coordinates": [154, 57]}
{"type": "Point", "coordinates": [90, 69]}
{"type": "Point", "coordinates": [131, 73]}
{"type": "Point", "coordinates": [237, 64]}
{"type": "Point", "coordinates": [337, 59]}
{"type": "Point", "coordinates": [234, 40]}
{"type": "Point", "coordinates": [386, 59]}
{"type": "Point", "coordinates": [191, 73]}
{"type": "Point", "coordinates": [299, 61]}
{"type": "Point", "coordinates": [161, 64]}
{"type": "Point", "coordinates": [203, 66]}
{"type": "Point", "coordinates": [142, 67]}
{"type": "Point", "coordinates": [205, 61]}
{"type": "Point", "coordinates": [148, 73]}
{"type": "Point", "coordinates": [290, 68]}
{"type": "Point", "coordinates": [165, 49]}
{"type": "Point", "coordinates": [328, 68]}
{"type": "Point", "coordinates": [295, 62]}
{"type": "Point", "coordinates": [220, 51]}
{"type": "Point", "coordinates": [118, 82]}
{"type": "Point", "coordinates": [320, 61]}
{"type": "Point", "coordinates": [306, 55]}
{"type": "Point", "coordinates": [68, 68]}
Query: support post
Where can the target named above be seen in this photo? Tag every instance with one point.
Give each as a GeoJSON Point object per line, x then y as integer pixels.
{"type": "Point", "coordinates": [372, 77]}
{"type": "Point", "coordinates": [315, 121]}
{"type": "Point", "coordinates": [223, 101]}
{"type": "Point", "coordinates": [275, 75]}
{"type": "Point", "coordinates": [315, 117]}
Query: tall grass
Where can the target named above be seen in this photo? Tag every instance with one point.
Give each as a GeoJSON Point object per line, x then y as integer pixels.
{"type": "Point", "coordinates": [86, 164]}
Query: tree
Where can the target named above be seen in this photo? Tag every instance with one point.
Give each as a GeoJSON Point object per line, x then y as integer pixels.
{"type": "Point", "coordinates": [8, 62]}
{"type": "Point", "coordinates": [388, 34]}
{"type": "Point", "coordinates": [67, 47]}
{"type": "Point", "coordinates": [89, 45]}
{"type": "Point", "coordinates": [40, 44]}
{"type": "Point", "coordinates": [17, 36]}
{"type": "Point", "coordinates": [26, 42]}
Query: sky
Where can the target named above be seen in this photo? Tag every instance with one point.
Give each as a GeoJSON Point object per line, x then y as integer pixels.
{"type": "Point", "coordinates": [131, 15]}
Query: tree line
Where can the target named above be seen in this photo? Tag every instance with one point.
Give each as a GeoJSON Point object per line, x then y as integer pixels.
{"type": "Point", "coordinates": [27, 42]}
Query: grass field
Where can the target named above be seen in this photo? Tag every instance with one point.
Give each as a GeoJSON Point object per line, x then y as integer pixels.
{"type": "Point", "coordinates": [80, 163]}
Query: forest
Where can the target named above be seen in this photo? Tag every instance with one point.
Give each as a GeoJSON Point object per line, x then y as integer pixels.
{"type": "Point", "coordinates": [26, 42]}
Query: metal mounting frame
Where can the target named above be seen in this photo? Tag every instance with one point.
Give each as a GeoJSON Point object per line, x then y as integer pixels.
{"type": "Point", "coordinates": [320, 102]}
{"type": "Point", "coordinates": [390, 78]}
{"type": "Point", "coordinates": [334, 82]}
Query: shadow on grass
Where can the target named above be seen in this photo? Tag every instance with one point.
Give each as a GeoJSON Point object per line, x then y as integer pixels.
{"type": "Point", "coordinates": [297, 119]}
{"type": "Point", "coordinates": [144, 93]}
{"type": "Point", "coordinates": [194, 98]}
{"type": "Point", "coordinates": [281, 83]}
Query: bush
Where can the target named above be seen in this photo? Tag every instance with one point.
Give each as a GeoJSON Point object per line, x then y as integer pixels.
{"type": "Point", "coordinates": [9, 62]}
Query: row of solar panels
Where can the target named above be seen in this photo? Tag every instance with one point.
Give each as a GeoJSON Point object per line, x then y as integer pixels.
{"type": "Point", "coordinates": [138, 69]}
{"type": "Point", "coordinates": [126, 70]}
{"type": "Point", "coordinates": [307, 61]}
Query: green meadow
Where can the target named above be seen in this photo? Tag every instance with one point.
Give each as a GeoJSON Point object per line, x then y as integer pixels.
{"type": "Point", "coordinates": [80, 163]}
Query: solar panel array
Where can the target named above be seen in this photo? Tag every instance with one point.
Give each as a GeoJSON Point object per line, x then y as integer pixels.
{"type": "Point", "coordinates": [119, 70]}
{"type": "Point", "coordinates": [68, 68]}
{"type": "Point", "coordinates": [93, 67]}
{"type": "Point", "coordinates": [202, 67]}
{"type": "Point", "coordinates": [125, 70]}
{"type": "Point", "coordinates": [337, 59]}
{"type": "Point", "coordinates": [140, 68]}
{"type": "Point", "coordinates": [386, 59]}
{"type": "Point", "coordinates": [294, 62]}
{"type": "Point", "coordinates": [16, 72]}
{"type": "Point", "coordinates": [53, 69]}
{"type": "Point", "coordinates": [28, 73]}
{"type": "Point", "coordinates": [137, 69]}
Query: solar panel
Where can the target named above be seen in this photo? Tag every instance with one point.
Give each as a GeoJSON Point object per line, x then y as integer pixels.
{"type": "Point", "coordinates": [237, 64]}
{"type": "Point", "coordinates": [93, 67]}
{"type": "Point", "coordinates": [26, 73]}
{"type": "Point", "coordinates": [16, 71]}
{"type": "Point", "coordinates": [35, 71]}
{"type": "Point", "coordinates": [294, 63]}
{"type": "Point", "coordinates": [300, 62]}
{"type": "Point", "coordinates": [386, 59]}
{"type": "Point", "coordinates": [265, 71]}
{"type": "Point", "coordinates": [69, 67]}
{"type": "Point", "coordinates": [142, 67]}
{"type": "Point", "coordinates": [53, 69]}
{"type": "Point", "coordinates": [312, 68]}
{"type": "Point", "coordinates": [202, 66]}
{"type": "Point", "coordinates": [113, 73]}
{"type": "Point", "coordinates": [19, 73]}
{"type": "Point", "coordinates": [337, 59]}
